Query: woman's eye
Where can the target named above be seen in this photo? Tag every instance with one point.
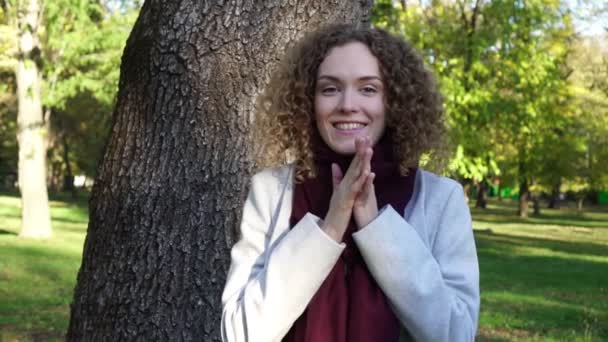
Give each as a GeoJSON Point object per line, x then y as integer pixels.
{"type": "Point", "coordinates": [329, 90]}
{"type": "Point", "coordinates": [369, 90]}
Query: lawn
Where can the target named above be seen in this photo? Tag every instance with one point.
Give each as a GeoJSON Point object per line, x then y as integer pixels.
{"type": "Point", "coordinates": [544, 278]}
{"type": "Point", "coordinates": [37, 277]}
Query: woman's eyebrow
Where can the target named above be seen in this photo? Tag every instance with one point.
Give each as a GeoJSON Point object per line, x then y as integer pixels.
{"type": "Point", "coordinates": [370, 78]}
{"type": "Point", "coordinates": [336, 79]}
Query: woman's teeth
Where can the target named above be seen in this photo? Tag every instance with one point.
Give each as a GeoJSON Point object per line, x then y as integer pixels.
{"type": "Point", "coordinates": [348, 125]}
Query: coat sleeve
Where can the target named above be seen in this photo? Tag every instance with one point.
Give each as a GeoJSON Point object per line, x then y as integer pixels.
{"type": "Point", "coordinates": [433, 290]}
{"type": "Point", "coordinates": [270, 283]}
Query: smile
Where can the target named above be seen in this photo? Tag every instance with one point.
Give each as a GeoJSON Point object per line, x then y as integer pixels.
{"type": "Point", "coordinates": [348, 126]}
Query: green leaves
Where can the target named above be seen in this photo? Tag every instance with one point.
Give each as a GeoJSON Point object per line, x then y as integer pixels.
{"type": "Point", "coordinates": [84, 42]}
{"type": "Point", "coordinates": [510, 95]}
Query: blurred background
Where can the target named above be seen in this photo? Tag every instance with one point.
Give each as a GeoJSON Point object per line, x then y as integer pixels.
{"type": "Point", "coordinates": [525, 86]}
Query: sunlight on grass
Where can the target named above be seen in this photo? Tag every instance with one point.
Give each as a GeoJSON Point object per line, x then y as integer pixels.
{"type": "Point", "coordinates": [37, 278]}
{"type": "Point", "coordinates": [542, 279]}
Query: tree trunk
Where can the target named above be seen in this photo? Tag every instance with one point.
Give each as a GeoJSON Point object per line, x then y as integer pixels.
{"type": "Point", "coordinates": [579, 203]}
{"type": "Point", "coordinates": [499, 194]}
{"type": "Point", "coordinates": [554, 202]}
{"type": "Point", "coordinates": [467, 189]}
{"type": "Point", "coordinates": [536, 205]}
{"type": "Point", "coordinates": [524, 195]}
{"type": "Point", "coordinates": [482, 195]}
{"type": "Point", "coordinates": [167, 199]}
{"type": "Point", "coordinates": [35, 214]}
{"type": "Point", "coordinates": [54, 176]}
{"type": "Point", "coordinates": [68, 178]}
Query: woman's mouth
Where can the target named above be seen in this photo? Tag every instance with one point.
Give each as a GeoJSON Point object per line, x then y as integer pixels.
{"type": "Point", "coordinates": [348, 126]}
{"type": "Point", "coordinates": [348, 129]}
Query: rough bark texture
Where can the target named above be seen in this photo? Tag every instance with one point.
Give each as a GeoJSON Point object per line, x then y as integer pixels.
{"type": "Point", "coordinates": [171, 183]}
{"type": "Point", "coordinates": [35, 215]}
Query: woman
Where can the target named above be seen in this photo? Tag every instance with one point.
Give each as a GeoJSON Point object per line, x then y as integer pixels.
{"type": "Point", "coordinates": [354, 109]}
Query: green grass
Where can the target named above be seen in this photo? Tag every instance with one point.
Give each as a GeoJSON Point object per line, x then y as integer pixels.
{"type": "Point", "coordinates": [37, 278]}
{"type": "Point", "coordinates": [542, 279]}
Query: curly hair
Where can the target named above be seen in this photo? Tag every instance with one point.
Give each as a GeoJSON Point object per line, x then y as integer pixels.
{"type": "Point", "coordinates": [285, 111]}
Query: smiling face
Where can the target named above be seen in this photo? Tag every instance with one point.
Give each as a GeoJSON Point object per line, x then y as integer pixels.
{"type": "Point", "coordinates": [349, 97]}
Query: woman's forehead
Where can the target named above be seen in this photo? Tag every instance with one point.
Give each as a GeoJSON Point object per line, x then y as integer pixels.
{"type": "Point", "coordinates": [352, 60]}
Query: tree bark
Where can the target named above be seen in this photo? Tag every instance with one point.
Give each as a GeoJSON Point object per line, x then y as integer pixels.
{"type": "Point", "coordinates": [482, 195]}
{"type": "Point", "coordinates": [35, 214]}
{"type": "Point", "coordinates": [170, 185]}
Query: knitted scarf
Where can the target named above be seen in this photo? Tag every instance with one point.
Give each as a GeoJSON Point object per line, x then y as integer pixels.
{"type": "Point", "coordinates": [349, 305]}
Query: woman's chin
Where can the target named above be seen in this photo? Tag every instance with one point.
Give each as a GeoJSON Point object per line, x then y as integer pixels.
{"type": "Point", "coordinates": [343, 148]}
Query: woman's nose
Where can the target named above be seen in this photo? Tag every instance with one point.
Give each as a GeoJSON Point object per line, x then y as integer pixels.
{"type": "Point", "coordinates": [349, 101]}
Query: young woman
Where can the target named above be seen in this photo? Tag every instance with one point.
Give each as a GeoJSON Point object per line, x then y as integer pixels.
{"type": "Point", "coordinates": [345, 238]}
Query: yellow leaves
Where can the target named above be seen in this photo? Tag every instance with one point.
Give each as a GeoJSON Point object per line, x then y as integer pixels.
{"type": "Point", "coordinates": [8, 48]}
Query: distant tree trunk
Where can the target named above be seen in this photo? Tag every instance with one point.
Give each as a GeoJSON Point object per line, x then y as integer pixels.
{"type": "Point", "coordinates": [467, 189]}
{"type": "Point", "coordinates": [35, 214]}
{"type": "Point", "coordinates": [482, 195]}
{"type": "Point", "coordinates": [536, 205]}
{"type": "Point", "coordinates": [579, 203]}
{"type": "Point", "coordinates": [524, 196]}
{"type": "Point", "coordinates": [68, 177]}
{"type": "Point", "coordinates": [554, 201]}
{"type": "Point", "coordinates": [524, 191]}
{"type": "Point", "coordinates": [54, 176]}
{"type": "Point", "coordinates": [167, 198]}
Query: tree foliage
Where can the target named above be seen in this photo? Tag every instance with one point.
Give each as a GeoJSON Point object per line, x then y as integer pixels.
{"type": "Point", "coordinates": [512, 98]}
{"type": "Point", "coordinates": [82, 41]}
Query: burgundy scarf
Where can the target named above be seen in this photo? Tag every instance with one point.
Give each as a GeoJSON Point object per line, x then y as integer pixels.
{"type": "Point", "coordinates": [349, 305]}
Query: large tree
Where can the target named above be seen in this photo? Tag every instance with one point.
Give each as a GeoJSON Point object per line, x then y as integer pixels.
{"type": "Point", "coordinates": [170, 184]}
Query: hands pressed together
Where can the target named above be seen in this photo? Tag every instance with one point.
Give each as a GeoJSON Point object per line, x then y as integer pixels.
{"type": "Point", "coordinates": [353, 193]}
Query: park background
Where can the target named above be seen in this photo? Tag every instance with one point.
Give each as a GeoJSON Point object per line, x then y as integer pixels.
{"type": "Point", "coordinates": [525, 85]}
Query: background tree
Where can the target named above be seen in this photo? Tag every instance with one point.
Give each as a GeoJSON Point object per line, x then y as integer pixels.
{"type": "Point", "coordinates": [23, 18]}
{"type": "Point", "coordinates": [588, 76]}
{"type": "Point", "coordinates": [64, 55]}
{"type": "Point", "coordinates": [508, 91]}
{"type": "Point", "coordinates": [82, 79]}
{"type": "Point", "coordinates": [167, 197]}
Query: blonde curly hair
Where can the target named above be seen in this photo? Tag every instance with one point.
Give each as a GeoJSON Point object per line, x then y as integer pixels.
{"type": "Point", "coordinates": [285, 111]}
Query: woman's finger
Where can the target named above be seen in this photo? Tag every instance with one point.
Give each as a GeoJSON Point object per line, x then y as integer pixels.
{"type": "Point", "coordinates": [354, 169]}
{"type": "Point", "coordinates": [357, 185]}
{"type": "Point", "coordinates": [336, 175]}
{"type": "Point", "coordinates": [368, 188]}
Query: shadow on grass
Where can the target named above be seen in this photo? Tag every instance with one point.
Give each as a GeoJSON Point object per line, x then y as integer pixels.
{"type": "Point", "coordinates": [7, 232]}
{"type": "Point", "coordinates": [11, 215]}
{"type": "Point", "coordinates": [38, 282]}
{"type": "Point", "coordinates": [8, 334]}
{"type": "Point", "coordinates": [509, 243]}
{"type": "Point", "coordinates": [70, 221]}
{"type": "Point", "coordinates": [49, 264]}
{"type": "Point", "coordinates": [542, 295]}
{"type": "Point", "coordinates": [506, 212]}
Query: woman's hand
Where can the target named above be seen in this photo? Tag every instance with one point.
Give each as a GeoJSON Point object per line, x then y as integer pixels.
{"type": "Point", "coordinates": [357, 181]}
{"type": "Point", "coordinates": [365, 207]}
